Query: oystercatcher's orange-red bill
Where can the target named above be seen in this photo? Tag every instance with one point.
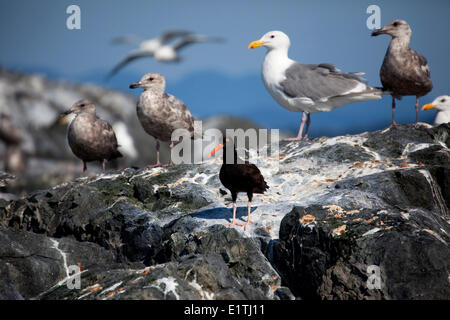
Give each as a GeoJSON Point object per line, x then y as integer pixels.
{"type": "Point", "coordinates": [220, 146]}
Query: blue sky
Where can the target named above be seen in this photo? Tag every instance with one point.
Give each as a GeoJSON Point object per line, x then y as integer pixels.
{"type": "Point", "coordinates": [225, 78]}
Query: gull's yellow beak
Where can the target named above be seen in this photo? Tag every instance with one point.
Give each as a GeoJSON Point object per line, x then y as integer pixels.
{"type": "Point", "coordinates": [255, 44]}
{"type": "Point", "coordinates": [428, 106]}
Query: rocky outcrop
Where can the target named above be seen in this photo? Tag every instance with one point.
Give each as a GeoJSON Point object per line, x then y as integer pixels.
{"type": "Point", "coordinates": [336, 209]}
{"type": "Point", "coordinates": [31, 262]}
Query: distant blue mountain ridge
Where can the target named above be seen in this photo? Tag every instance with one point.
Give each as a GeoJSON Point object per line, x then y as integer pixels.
{"type": "Point", "coordinates": [209, 93]}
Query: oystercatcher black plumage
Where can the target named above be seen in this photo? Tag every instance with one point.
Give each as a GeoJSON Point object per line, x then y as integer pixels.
{"type": "Point", "coordinates": [240, 176]}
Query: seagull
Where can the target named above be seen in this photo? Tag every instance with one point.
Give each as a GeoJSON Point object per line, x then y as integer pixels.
{"type": "Point", "coordinates": [404, 72]}
{"type": "Point", "coordinates": [169, 53]}
{"type": "Point", "coordinates": [161, 113]}
{"type": "Point", "coordinates": [161, 51]}
{"type": "Point", "coordinates": [147, 48]}
{"type": "Point", "coordinates": [308, 88]}
{"type": "Point", "coordinates": [442, 104]}
{"type": "Point", "coordinates": [9, 133]}
{"type": "Point", "coordinates": [90, 138]}
{"type": "Point", "coordinates": [15, 160]}
{"type": "Point", "coordinates": [239, 176]}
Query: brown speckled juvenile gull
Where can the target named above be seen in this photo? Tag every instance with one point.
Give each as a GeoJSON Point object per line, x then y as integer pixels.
{"type": "Point", "coordinates": [91, 138]}
{"type": "Point", "coordinates": [404, 72]}
{"type": "Point", "coordinates": [14, 159]}
{"type": "Point", "coordinates": [9, 134]}
{"type": "Point", "coordinates": [161, 113]}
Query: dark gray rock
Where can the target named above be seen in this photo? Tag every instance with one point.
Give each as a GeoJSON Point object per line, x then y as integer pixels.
{"type": "Point", "coordinates": [31, 263]}
{"type": "Point", "coordinates": [122, 216]}
{"type": "Point", "coordinates": [411, 250]}
{"type": "Point", "coordinates": [340, 152]}
{"type": "Point", "coordinates": [392, 142]}
{"type": "Point", "coordinates": [242, 255]}
{"type": "Point", "coordinates": [193, 278]}
{"type": "Point", "coordinates": [435, 155]}
{"type": "Point", "coordinates": [379, 198]}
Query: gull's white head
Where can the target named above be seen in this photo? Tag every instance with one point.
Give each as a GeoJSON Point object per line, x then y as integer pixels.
{"type": "Point", "coordinates": [441, 103]}
{"type": "Point", "coordinates": [272, 40]}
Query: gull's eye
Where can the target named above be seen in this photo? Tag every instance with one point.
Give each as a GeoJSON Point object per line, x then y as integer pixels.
{"type": "Point", "coordinates": [82, 105]}
{"type": "Point", "coordinates": [395, 24]}
{"type": "Point", "coordinates": [443, 100]}
{"type": "Point", "coordinates": [151, 79]}
{"type": "Point", "coordinates": [272, 36]}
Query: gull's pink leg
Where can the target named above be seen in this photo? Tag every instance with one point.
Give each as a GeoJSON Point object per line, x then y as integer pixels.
{"type": "Point", "coordinates": [308, 123]}
{"type": "Point", "coordinates": [158, 163]}
{"type": "Point", "coordinates": [84, 168]}
{"type": "Point", "coordinates": [417, 109]}
{"type": "Point", "coordinates": [393, 124]}
{"type": "Point", "coordinates": [170, 161]}
{"type": "Point", "coordinates": [299, 135]}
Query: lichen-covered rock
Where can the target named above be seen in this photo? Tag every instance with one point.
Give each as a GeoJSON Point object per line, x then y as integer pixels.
{"type": "Point", "coordinates": [335, 207]}
{"type": "Point", "coordinates": [324, 260]}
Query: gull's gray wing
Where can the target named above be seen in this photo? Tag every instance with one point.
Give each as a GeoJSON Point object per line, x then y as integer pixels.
{"type": "Point", "coordinates": [191, 38]}
{"type": "Point", "coordinates": [318, 81]}
{"type": "Point", "coordinates": [131, 57]}
{"type": "Point", "coordinates": [128, 39]}
{"type": "Point", "coordinates": [171, 34]}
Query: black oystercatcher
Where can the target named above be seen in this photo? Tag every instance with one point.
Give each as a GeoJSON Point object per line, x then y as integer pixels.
{"type": "Point", "coordinates": [161, 113]}
{"type": "Point", "coordinates": [240, 176]}
{"type": "Point", "coordinates": [404, 72]}
{"type": "Point", "coordinates": [90, 138]}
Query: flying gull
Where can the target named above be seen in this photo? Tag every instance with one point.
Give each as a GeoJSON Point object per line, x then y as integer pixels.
{"type": "Point", "coordinates": [147, 47]}
{"type": "Point", "coordinates": [160, 113]}
{"type": "Point", "coordinates": [308, 88]}
{"type": "Point", "coordinates": [90, 138]}
{"type": "Point", "coordinates": [169, 53]}
{"type": "Point", "coordinates": [404, 72]}
{"type": "Point", "coordinates": [162, 51]}
{"type": "Point", "coordinates": [442, 104]}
